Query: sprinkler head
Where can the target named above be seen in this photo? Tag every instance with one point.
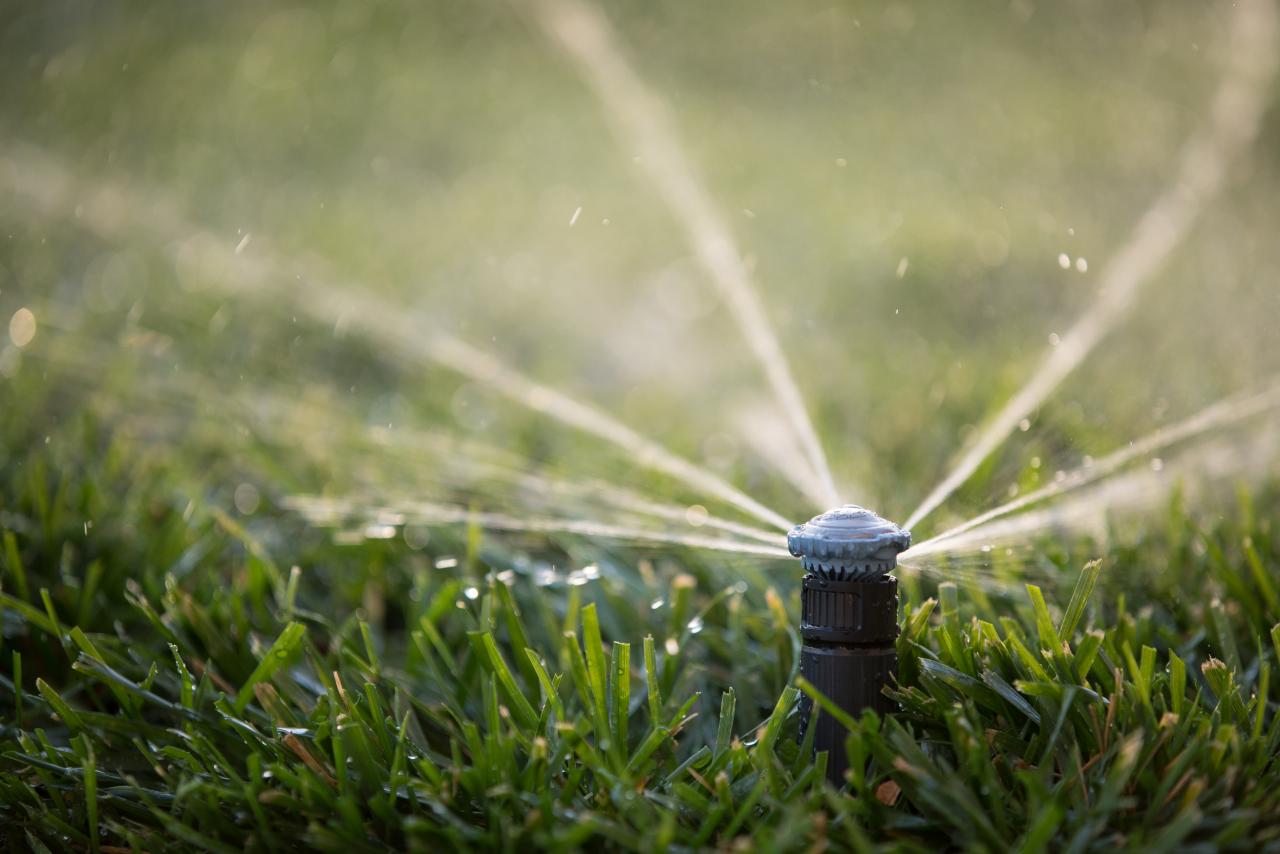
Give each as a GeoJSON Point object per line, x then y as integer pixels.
{"type": "Point", "coordinates": [848, 618]}
{"type": "Point", "coordinates": [849, 543]}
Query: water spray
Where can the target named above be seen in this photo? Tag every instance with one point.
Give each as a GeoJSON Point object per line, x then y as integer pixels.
{"type": "Point", "coordinates": [848, 619]}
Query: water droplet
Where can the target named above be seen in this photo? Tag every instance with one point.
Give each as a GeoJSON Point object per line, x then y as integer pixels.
{"type": "Point", "coordinates": [379, 532]}
{"type": "Point", "coordinates": [247, 499]}
{"type": "Point", "coordinates": [471, 593]}
{"type": "Point", "coordinates": [416, 536]}
{"type": "Point", "coordinates": [22, 327]}
{"type": "Point", "coordinates": [1024, 425]}
{"type": "Point", "coordinates": [1082, 265]}
{"type": "Point", "coordinates": [696, 515]}
{"type": "Point", "coordinates": [1064, 262]}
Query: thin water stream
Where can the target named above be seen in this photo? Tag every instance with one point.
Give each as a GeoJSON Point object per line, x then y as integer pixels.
{"type": "Point", "coordinates": [110, 210]}
{"type": "Point", "coordinates": [1089, 510]}
{"type": "Point", "coordinates": [1221, 414]}
{"type": "Point", "coordinates": [331, 511]}
{"type": "Point", "coordinates": [1231, 124]}
{"type": "Point", "coordinates": [644, 124]}
{"type": "Point", "coordinates": [115, 212]}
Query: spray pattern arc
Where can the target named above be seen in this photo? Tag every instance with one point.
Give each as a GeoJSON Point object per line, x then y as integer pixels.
{"type": "Point", "coordinates": [641, 120]}
{"type": "Point", "coordinates": [108, 210]}
{"type": "Point", "coordinates": [1232, 120]}
{"type": "Point", "coordinates": [542, 399]}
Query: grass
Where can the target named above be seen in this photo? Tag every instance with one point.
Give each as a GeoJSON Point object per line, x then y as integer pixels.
{"type": "Point", "coordinates": [171, 682]}
{"type": "Point", "coordinates": [182, 667]}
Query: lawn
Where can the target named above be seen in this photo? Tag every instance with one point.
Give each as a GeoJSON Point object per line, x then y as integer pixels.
{"type": "Point", "coordinates": [236, 614]}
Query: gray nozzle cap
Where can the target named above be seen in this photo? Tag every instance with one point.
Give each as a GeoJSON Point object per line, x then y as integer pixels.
{"type": "Point", "coordinates": [848, 543]}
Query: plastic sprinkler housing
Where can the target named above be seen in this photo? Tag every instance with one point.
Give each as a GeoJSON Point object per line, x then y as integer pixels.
{"type": "Point", "coordinates": [848, 619]}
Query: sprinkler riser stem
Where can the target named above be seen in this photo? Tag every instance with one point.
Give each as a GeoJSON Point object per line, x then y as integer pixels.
{"type": "Point", "coordinates": [848, 620]}
{"type": "Point", "coordinates": [849, 653]}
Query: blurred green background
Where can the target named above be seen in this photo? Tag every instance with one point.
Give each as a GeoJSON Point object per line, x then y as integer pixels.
{"type": "Point", "coordinates": [902, 177]}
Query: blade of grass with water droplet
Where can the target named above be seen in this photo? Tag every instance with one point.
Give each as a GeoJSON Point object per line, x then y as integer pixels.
{"type": "Point", "coordinates": [593, 648]}
{"type": "Point", "coordinates": [544, 680]}
{"type": "Point", "coordinates": [286, 644]}
{"type": "Point", "coordinates": [59, 705]}
{"type": "Point", "coordinates": [620, 695]}
{"type": "Point", "coordinates": [582, 684]}
{"type": "Point", "coordinates": [724, 733]}
{"type": "Point", "coordinates": [654, 697]}
{"type": "Point", "coordinates": [493, 662]}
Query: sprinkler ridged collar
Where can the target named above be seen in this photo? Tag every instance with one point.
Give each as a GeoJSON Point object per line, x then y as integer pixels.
{"type": "Point", "coordinates": [849, 543]}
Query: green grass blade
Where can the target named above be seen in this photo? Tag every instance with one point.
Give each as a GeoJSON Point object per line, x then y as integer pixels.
{"type": "Point", "coordinates": [1079, 599]}
{"type": "Point", "coordinates": [286, 646]}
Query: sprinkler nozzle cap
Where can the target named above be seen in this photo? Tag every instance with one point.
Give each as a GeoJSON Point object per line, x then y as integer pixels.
{"type": "Point", "coordinates": [848, 543]}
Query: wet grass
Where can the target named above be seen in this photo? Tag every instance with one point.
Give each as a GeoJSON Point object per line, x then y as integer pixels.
{"type": "Point", "coordinates": [177, 678]}
{"type": "Point", "coordinates": [184, 663]}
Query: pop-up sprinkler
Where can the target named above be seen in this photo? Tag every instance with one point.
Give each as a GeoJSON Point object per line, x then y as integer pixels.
{"type": "Point", "coordinates": [848, 618]}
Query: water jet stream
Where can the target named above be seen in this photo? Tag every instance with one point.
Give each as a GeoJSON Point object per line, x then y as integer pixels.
{"type": "Point", "coordinates": [323, 511]}
{"type": "Point", "coordinates": [456, 462]}
{"type": "Point", "coordinates": [1088, 511]}
{"type": "Point", "coordinates": [641, 120]}
{"type": "Point", "coordinates": [1222, 413]}
{"type": "Point", "coordinates": [771, 438]}
{"type": "Point", "coordinates": [453, 454]}
{"type": "Point", "coordinates": [106, 209]}
{"type": "Point", "coordinates": [486, 369]}
{"type": "Point", "coordinates": [1234, 116]}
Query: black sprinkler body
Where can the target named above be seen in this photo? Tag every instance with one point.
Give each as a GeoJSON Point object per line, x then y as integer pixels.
{"type": "Point", "coordinates": [848, 619]}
